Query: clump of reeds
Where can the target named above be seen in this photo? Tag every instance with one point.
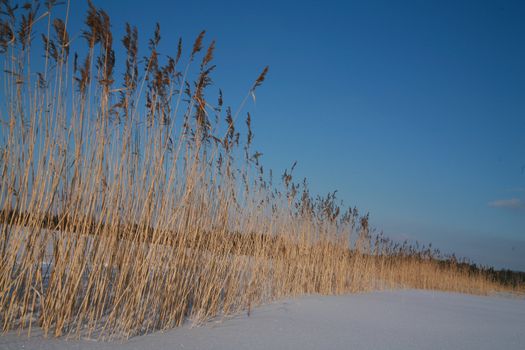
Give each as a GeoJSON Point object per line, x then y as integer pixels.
{"type": "Point", "coordinates": [129, 202]}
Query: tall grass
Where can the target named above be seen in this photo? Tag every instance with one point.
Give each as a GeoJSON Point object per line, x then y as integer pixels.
{"type": "Point", "coordinates": [129, 202]}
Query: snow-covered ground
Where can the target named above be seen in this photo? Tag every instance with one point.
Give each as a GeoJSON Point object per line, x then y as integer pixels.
{"type": "Point", "coordinates": [378, 320]}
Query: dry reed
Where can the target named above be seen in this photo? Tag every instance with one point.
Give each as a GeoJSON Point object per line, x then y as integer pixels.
{"type": "Point", "coordinates": [131, 208]}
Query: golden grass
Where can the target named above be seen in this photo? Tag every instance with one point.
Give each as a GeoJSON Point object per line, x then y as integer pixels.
{"type": "Point", "coordinates": [131, 208]}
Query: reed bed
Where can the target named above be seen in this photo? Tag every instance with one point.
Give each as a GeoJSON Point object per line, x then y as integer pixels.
{"type": "Point", "coordinates": [130, 203]}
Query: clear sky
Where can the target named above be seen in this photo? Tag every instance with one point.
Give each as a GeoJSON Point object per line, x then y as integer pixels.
{"type": "Point", "coordinates": [413, 110]}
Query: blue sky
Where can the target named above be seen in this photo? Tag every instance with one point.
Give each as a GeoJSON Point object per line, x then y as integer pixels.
{"type": "Point", "coordinates": [412, 110]}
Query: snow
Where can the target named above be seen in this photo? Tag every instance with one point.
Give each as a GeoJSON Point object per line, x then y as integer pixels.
{"type": "Point", "coordinates": [378, 320]}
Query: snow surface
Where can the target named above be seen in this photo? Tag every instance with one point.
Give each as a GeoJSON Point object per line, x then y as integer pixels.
{"type": "Point", "coordinates": [378, 320]}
